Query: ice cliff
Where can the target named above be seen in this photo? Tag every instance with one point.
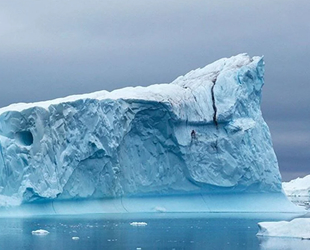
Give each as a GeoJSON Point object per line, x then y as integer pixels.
{"type": "Point", "coordinates": [203, 133]}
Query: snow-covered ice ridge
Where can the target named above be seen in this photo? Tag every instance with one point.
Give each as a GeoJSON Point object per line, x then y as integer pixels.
{"type": "Point", "coordinates": [138, 141]}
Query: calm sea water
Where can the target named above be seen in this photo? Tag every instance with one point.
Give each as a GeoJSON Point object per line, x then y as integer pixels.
{"type": "Point", "coordinates": [205, 231]}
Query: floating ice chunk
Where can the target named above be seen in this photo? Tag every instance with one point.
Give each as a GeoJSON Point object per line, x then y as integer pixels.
{"type": "Point", "coordinates": [75, 238]}
{"type": "Point", "coordinates": [40, 232]}
{"type": "Point", "coordinates": [160, 209]}
{"type": "Point", "coordinates": [138, 224]}
{"type": "Point", "coordinates": [297, 228]}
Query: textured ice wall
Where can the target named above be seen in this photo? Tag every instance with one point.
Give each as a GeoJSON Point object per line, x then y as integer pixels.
{"type": "Point", "coordinates": [137, 141]}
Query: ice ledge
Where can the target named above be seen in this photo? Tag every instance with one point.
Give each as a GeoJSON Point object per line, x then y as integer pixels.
{"type": "Point", "coordinates": [199, 203]}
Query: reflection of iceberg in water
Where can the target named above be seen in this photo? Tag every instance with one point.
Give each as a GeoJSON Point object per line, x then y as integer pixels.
{"type": "Point", "coordinates": [134, 149]}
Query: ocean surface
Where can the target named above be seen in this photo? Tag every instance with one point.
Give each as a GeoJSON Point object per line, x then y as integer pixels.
{"type": "Point", "coordinates": [160, 231]}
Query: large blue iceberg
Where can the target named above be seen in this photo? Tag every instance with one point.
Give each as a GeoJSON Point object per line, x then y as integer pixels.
{"type": "Point", "coordinates": [200, 137]}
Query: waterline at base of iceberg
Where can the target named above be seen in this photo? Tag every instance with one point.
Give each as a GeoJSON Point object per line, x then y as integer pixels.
{"type": "Point", "coordinates": [198, 203]}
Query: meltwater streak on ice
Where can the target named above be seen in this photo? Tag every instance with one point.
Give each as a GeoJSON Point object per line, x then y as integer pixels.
{"type": "Point", "coordinates": [138, 142]}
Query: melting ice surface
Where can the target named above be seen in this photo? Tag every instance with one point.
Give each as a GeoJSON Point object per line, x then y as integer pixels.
{"type": "Point", "coordinates": [198, 144]}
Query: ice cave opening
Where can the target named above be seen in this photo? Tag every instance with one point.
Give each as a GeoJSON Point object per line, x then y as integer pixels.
{"type": "Point", "coordinates": [24, 137]}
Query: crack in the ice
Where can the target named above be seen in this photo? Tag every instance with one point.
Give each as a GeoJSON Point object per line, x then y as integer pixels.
{"type": "Point", "coordinates": [213, 104]}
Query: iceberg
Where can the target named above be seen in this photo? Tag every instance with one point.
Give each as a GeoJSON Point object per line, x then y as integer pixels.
{"type": "Point", "coordinates": [297, 187]}
{"type": "Point", "coordinates": [297, 228]}
{"type": "Point", "coordinates": [199, 143]}
{"type": "Point", "coordinates": [298, 191]}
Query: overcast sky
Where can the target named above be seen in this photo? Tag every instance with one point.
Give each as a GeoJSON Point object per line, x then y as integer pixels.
{"type": "Point", "coordinates": [51, 49]}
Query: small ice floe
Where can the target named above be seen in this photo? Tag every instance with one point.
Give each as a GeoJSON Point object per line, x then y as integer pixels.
{"type": "Point", "coordinates": [40, 232]}
{"type": "Point", "coordinates": [75, 238]}
{"type": "Point", "coordinates": [297, 228]}
{"type": "Point", "coordinates": [138, 224]}
{"type": "Point", "coordinates": [160, 209]}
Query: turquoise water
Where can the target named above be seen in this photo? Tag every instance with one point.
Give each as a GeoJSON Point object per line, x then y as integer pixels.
{"type": "Point", "coordinates": [204, 231]}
